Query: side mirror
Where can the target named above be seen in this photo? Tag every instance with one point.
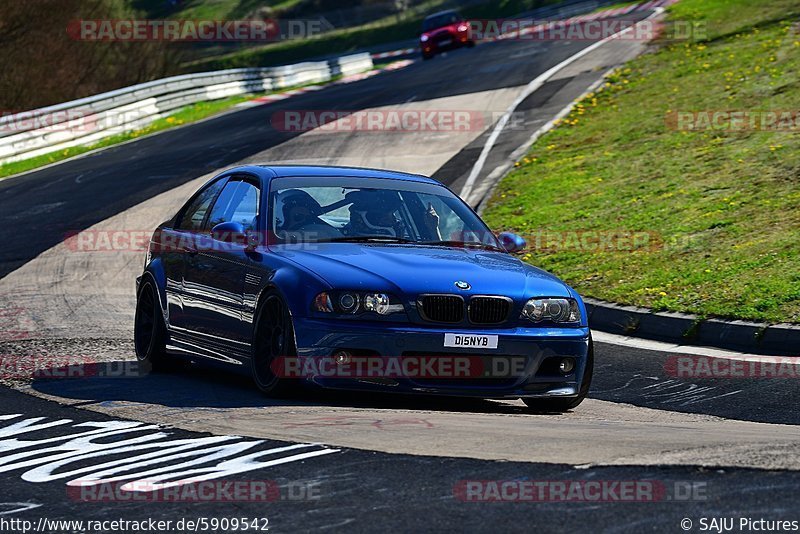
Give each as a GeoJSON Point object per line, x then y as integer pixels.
{"type": "Point", "coordinates": [512, 242]}
{"type": "Point", "coordinates": [230, 232]}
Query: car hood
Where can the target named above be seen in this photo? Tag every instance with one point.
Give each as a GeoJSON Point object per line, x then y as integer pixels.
{"type": "Point", "coordinates": [412, 270]}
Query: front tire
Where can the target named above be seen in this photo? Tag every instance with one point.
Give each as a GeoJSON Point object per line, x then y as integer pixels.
{"type": "Point", "coordinates": [557, 405]}
{"type": "Point", "coordinates": [273, 337]}
{"type": "Point", "coordinates": [150, 332]}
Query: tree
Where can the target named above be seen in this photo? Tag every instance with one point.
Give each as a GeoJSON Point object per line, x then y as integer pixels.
{"type": "Point", "coordinates": [42, 64]}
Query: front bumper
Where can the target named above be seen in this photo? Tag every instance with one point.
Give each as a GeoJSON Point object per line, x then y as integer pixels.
{"type": "Point", "coordinates": [431, 47]}
{"type": "Point", "coordinates": [536, 347]}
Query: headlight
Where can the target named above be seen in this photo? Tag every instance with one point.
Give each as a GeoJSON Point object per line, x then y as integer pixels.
{"type": "Point", "coordinates": [352, 302]}
{"type": "Point", "coordinates": [323, 303]}
{"type": "Point", "coordinates": [377, 302]}
{"type": "Point", "coordinates": [463, 28]}
{"type": "Point", "coordinates": [423, 38]}
{"type": "Point", "coordinates": [348, 302]}
{"type": "Point", "coordinates": [555, 310]}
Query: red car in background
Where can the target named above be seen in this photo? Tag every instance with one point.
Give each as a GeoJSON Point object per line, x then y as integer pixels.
{"type": "Point", "coordinates": [442, 31]}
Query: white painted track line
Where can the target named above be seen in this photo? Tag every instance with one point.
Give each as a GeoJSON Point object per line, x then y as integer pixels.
{"type": "Point", "coordinates": [529, 89]}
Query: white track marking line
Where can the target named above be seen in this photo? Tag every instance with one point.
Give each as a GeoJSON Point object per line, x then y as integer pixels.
{"type": "Point", "coordinates": [494, 177]}
{"type": "Point", "coordinates": [20, 507]}
{"type": "Point", "coordinates": [533, 86]}
{"type": "Point", "coordinates": [660, 346]}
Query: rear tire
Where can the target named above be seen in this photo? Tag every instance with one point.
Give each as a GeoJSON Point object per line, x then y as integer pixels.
{"type": "Point", "coordinates": [557, 405]}
{"type": "Point", "coordinates": [273, 337]}
{"type": "Point", "coordinates": [150, 332]}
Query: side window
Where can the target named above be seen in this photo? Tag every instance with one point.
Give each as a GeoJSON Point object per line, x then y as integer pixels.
{"type": "Point", "coordinates": [238, 202]}
{"type": "Point", "coordinates": [194, 213]}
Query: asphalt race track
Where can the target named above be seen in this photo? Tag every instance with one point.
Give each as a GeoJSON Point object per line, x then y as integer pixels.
{"type": "Point", "coordinates": [710, 447]}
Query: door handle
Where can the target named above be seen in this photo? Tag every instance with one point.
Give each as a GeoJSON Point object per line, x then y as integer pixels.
{"type": "Point", "coordinates": [191, 251]}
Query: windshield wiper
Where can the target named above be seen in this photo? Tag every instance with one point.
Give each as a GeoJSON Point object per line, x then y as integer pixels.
{"type": "Point", "coordinates": [462, 244]}
{"type": "Point", "coordinates": [366, 239]}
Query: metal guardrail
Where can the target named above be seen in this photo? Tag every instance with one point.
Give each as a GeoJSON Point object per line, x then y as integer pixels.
{"type": "Point", "coordinates": [88, 120]}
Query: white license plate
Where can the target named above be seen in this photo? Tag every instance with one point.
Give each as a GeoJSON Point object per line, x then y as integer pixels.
{"type": "Point", "coordinates": [470, 341]}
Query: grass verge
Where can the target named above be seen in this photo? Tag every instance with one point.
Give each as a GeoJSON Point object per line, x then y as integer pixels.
{"type": "Point", "coordinates": [721, 207]}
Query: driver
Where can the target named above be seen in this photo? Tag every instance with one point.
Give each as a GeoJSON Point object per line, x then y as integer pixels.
{"type": "Point", "coordinates": [301, 217]}
{"type": "Point", "coordinates": [374, 213]}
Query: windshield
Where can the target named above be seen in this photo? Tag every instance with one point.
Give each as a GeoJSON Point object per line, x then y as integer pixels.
{"type": "Point", "coordinates": [438, 21]}
{"type": "Point", "coordinates": [319, 210]}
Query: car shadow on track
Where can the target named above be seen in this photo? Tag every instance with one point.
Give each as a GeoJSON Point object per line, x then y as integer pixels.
{"type": "Point", "coordinates": [196, 386]}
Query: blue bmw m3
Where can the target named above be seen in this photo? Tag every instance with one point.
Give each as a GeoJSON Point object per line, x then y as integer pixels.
{"type": "Point", "coordinates": [362, 279]}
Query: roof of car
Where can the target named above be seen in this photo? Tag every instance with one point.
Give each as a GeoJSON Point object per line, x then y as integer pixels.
{"type": "Point", "coordinates": [281, 171]}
